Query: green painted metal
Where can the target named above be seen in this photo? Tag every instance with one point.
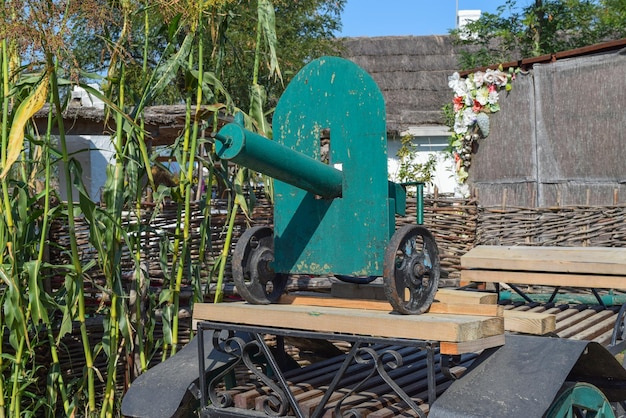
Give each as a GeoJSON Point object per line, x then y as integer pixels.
{"type": "Point", "coordinates": [333, 207]}
{"type": "Point", "coordinates": [420, 203]}
{"type": "Point", "coordinates": [346, 235]}
{"type": "Point", "coordinates": [256, 152]}
{"type": "Point", "coordinates": [580, 399]}
{"type": "Point", "coordinates": [419, 189]}
{"type": "Point", "coordinates": [609, 299]}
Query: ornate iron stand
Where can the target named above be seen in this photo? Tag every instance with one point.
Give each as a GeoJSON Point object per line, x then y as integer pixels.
{"type": "Point", "coordinates": [382, 354]}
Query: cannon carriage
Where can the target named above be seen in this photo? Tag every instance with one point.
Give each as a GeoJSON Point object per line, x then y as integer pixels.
{"type": "Point", "coordinates": [334, 208]}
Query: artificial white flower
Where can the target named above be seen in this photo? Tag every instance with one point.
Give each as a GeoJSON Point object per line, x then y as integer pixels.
{"type": "Point", "coordinates": [459, 85]}
{"type": "Point", "coordinates": [479, 78]}
{"type": "Point", "coordinates": [469, 117]}
{"type": "Point", "coordinates": [460, 127]}
{"type": "Point", "coordinates": [482, 95]}
{"type": "Point", "coordinates": [453, 80]}
{"type": "Point", "coordinates": [493, 97]}
{"type": "Point", "coordinates": [496, 77]}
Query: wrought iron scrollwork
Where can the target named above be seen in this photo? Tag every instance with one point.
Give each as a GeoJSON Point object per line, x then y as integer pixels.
{"type": "Point", "coordinates": [380, 360]}
{"type": "Point", "coordinates": [247, 352]}
{"type": "Point", "coordinates": [387, 359]}
{"type": "Point", "coordinates": [225, 342]}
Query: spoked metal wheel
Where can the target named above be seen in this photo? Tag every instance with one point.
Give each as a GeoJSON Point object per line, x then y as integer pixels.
{"type": "Point", "coordinates": [411, 270]}
{"type": "Point", "coordinates": [578, 400]}
{"type": "Point", "coordinates": [254, 277]}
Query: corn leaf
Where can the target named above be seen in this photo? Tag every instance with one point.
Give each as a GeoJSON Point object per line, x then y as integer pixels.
{"type": "Point", "coordinates": [36, 293]}
{"type": "Point", "coordinates": [31, 105]}
{"type": "Point", "coordinates": [257, 101]}
{"type": "Point", "coordinates": [267, 21]}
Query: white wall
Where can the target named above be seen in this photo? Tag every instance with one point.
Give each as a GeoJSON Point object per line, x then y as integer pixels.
{"type": "Point", "coordinates": [429, 140]}
{"type": "Point", "coordinates": [93, 152]}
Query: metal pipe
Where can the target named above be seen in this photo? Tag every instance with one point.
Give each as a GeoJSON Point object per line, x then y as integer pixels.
{"type": "Point", "coordinates": [251, 150]}
{"type": "Point", "coordinates": [420, 203]}
{"type": "Point", "coordinates": [607, 300]}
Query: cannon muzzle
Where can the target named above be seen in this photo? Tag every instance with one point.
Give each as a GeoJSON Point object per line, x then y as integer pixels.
{"type": "Point", "coordinates": [254, 151]}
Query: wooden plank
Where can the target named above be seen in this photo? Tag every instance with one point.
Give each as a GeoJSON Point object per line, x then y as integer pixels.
{"type": "Point", "coordinates": [546, 279]}
{"type": "Point", "coordinates": [376, 292]}
{"type": "Point", "coordinates": [471, 346]}
{"type": "Point", "coordinates": [586, 323]}
{"type": "Point", "coordinates": [466, 309]}
{"type": "Point", "coordinates": [585, 260]}
{"type": "Point", "coordinates": [604, 326]}
{"type": "Point", "coordinates": [464, 296]}
{"type": "Point", "coordinates": [565, 324]}
{"type": "Point", "coordinates": [436, 307]}
{"type": "Point", "coordinates": [432, 327]}
{"type": "Point", "coordinates": [535, 323]}
{"type": "Point", "coordinates": [319, 300]}
{"type": "Point", "coordinates": [358, 291]}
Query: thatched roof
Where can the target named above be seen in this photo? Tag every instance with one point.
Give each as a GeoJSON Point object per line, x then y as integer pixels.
{"type": "Point", "coordinates": [411, 71]}
{"type": "Point", "coordinates": [163, 123]}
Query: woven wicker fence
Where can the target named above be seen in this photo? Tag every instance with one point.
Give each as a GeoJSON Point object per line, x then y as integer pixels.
{"type": "Point", "coordinates": [579, 226]}
{"type": "Point", "coordinates": [457, 224]}
{"type": "Point", "coordinates": [453, 222]}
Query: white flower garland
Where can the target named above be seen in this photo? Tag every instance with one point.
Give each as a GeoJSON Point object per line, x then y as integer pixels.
{"type": "Point", "coordinates": [475, 96]}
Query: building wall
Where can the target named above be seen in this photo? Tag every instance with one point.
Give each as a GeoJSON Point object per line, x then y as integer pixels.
{"type": "Point", "coordinates": [93, 153]}
{"type": "Point", "coordinates": [427, 143]}
{"type": "Point", "coordinates": [558, 138]}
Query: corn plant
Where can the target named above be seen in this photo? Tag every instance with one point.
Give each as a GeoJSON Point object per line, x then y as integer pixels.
{"type": "Point", "coordinates": [36, 317]}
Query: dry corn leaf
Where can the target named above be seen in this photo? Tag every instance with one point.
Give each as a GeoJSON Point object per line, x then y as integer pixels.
{"type": "Point", "coordinates": [31, 105]}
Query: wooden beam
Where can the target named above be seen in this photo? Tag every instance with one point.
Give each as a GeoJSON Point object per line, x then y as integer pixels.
{"type": "Point", "coordinates": [431, 327]}
{"type": "Point", "coordinates": [377, 305]}
{"type": "Point", "coordinates": [536, 323]}
{"type": "Point", "coordinates": [582, 260]}
{"type": "Point", "coordinates": [465, 296]}
{"type": "Point", "coordinates": [358, 291]}
{"type": "Point", "coordinates": [471, 346]}
{"type": "Point", "coordinates": [546, 279]}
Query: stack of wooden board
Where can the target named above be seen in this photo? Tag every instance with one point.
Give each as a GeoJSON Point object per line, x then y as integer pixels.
{"type": "Point", "coordinates": [587, 267]}
{"type": "Point", "coordinates": [463, 302]}
{"type": "Point", "coordinates": [459, 328]}
{"type": "Point", "coordinates": [460, 321]}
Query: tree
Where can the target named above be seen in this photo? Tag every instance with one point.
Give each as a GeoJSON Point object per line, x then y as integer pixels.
{"type": "Point", "coordinates": [304, 29]}
{"type": "Point", "coordinates": [543, 27]}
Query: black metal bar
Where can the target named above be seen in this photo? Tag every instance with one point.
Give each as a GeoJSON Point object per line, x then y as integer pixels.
{"type": "Point", "coordinates": [600, 301]}
{"type": "Point", "coordinates": [281, 378]}
{"type": "Point", "coordinates": [432, 382]}
{"type": "Point", "coordinates": [201, 366]}
{"type": "Point", "coordinates": [554, 293]}
{"type": "Point", "coordinates": [619, 329]}
{"type": "Point", "coordinates": [342, 371]}
{"type": "Point", "coordinates": [316, 334]}
{"type": "Point", "coordinates": [520, 292]}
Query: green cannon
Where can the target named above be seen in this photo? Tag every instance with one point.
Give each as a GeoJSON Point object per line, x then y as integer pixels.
{"type": "Point", "coordinates": [334, 209]}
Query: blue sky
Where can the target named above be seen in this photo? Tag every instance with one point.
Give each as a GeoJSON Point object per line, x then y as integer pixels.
{"type": "Point", "coordinates": [407, 17]}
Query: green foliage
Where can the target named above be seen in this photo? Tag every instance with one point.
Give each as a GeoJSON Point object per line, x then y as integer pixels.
{"type": "Point", "coordinates": [411, 171]}
{"type": "Point", "coordinates": [304, 30]}
{"type": "Point", "coordinates": [146, 53]}
{"type": "Point", "coordinates": [540, 28]}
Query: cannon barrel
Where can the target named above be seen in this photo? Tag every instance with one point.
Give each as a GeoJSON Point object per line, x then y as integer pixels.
{"type": "Point", "coordinates": [251, 150]}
